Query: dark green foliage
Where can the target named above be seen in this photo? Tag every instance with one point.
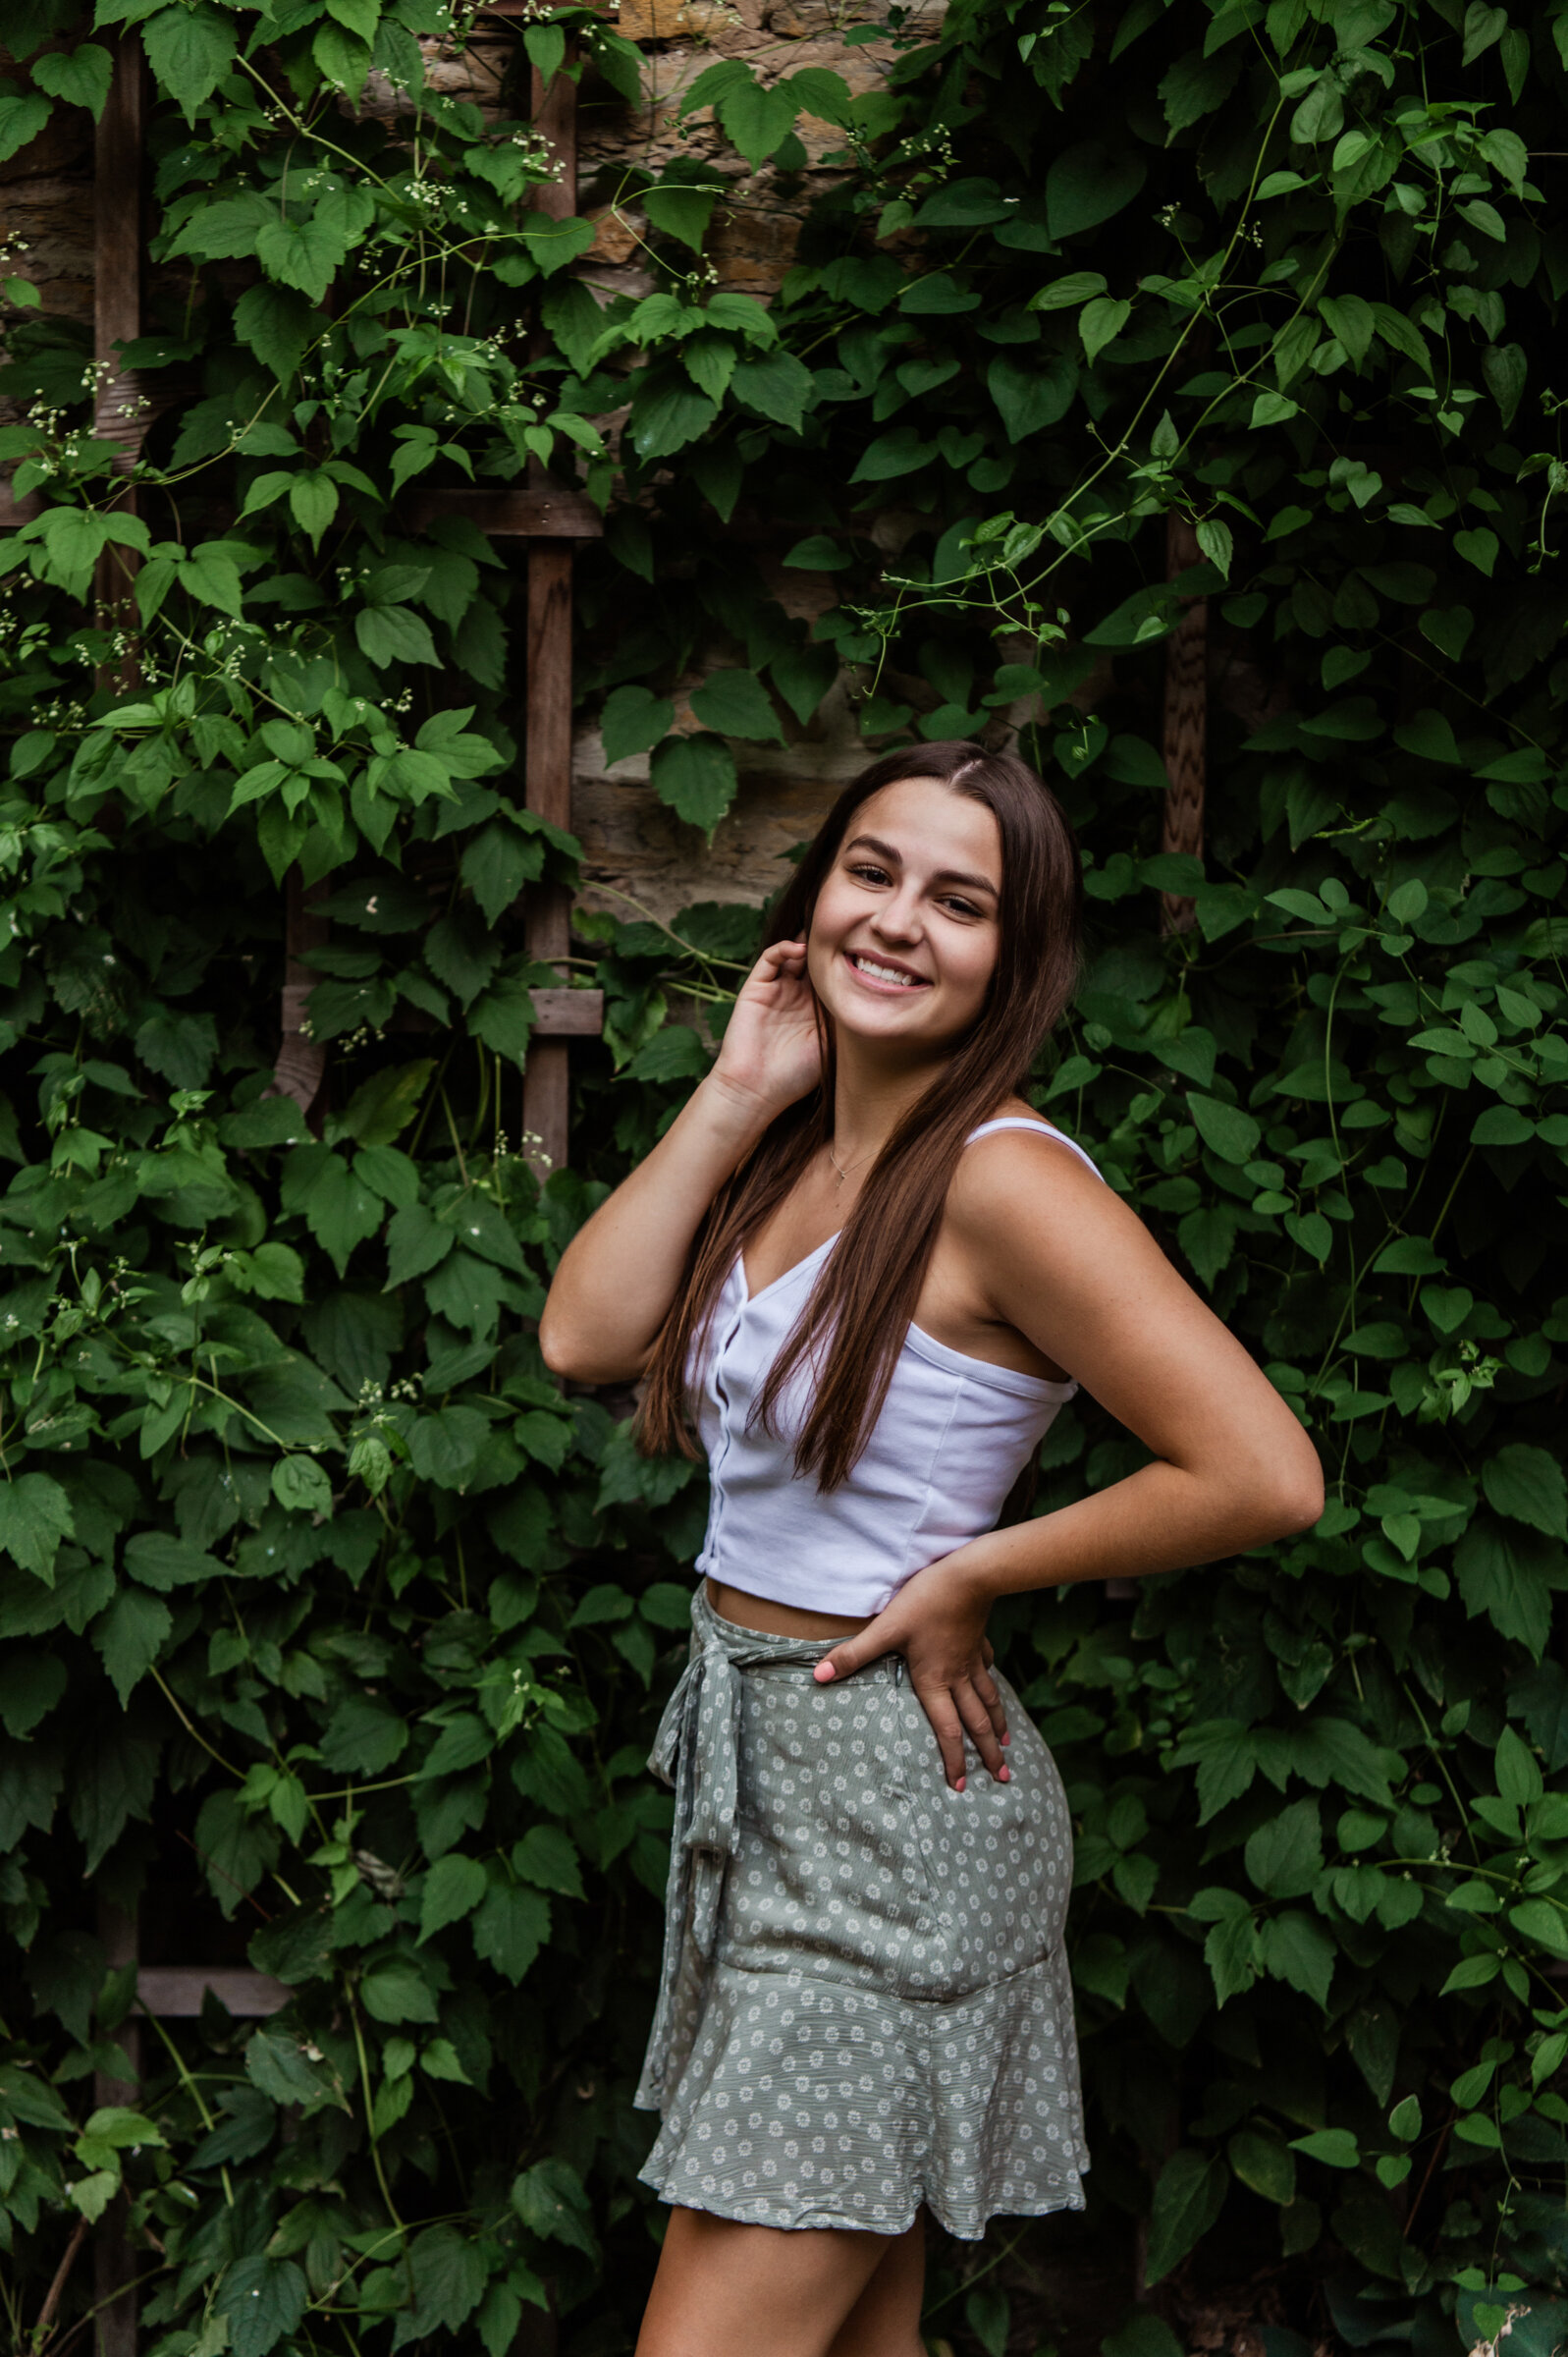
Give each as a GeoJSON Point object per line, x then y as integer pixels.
{"type": "Point", "coordinates": [333, 1632]}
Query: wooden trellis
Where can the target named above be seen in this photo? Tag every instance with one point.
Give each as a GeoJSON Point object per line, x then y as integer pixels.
{"type": "Point", "coordinates": [548, 518]}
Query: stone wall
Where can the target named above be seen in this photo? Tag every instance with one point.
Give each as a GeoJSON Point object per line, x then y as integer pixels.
{"type": "Point", "coordinates": [636, 850]}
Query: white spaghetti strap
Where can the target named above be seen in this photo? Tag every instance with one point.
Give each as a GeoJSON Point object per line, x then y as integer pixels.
{"type": "Point", "coordinates": [1018, 1121]}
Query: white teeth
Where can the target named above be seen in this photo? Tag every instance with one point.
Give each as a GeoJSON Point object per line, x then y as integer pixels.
{"type": "Point", "coordinates": [883, 973]}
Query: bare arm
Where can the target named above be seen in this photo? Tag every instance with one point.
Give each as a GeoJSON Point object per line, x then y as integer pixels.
{"type": "Point", "coordinates": [1062, 1259]}
{"type": "Point", "coordinates": [618, 1276]}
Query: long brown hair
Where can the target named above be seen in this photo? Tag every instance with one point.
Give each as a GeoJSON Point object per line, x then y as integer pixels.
{"type": "Point", "coordinates": [854, 1324]}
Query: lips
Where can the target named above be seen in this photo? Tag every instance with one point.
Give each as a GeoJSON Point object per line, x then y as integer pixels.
{"type": "Point", "coordinates": [885, 973]}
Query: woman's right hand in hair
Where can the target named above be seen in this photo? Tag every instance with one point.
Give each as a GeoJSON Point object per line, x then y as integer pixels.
{"type": "Point", "coordinates": [771, 1051]}
{"type": "Point", "coordinates": [621, 1274]}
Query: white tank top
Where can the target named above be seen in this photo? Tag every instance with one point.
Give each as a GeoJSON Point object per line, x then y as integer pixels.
{"type": "Point", "coordinates": [953, 1435]}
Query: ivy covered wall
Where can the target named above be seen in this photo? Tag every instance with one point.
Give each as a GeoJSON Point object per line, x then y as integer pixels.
{"type": "Point", "coordinates": [334, 1631]}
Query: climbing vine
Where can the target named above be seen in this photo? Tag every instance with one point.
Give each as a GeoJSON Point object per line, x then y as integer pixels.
{"type": "Point", "coordinates": [334, 1630]}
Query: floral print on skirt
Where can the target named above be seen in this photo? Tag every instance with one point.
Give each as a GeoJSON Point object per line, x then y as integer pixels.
{"type": "Point", "coordinates": [865, 2002]}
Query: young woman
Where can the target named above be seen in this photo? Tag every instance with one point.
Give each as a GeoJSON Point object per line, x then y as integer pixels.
{"type": "Point", "coordinates": [870, 1275]}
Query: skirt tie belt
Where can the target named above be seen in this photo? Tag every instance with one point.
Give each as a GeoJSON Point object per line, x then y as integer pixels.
{"type": "Point", "coordinates": [696, 1750]}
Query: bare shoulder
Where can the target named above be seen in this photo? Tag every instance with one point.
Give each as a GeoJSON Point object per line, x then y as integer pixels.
{"type": "Point", "coordinates": [1018, 1173]}
{"type": "Point", "coordinates": [1024, 1198]}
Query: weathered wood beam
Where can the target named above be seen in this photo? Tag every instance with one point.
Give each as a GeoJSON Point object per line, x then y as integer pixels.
{"type": "Point", "coordinates": [547, 738]}
{"type": "Point", "coordinates": [118, 248]}
{"type": "Point", "coordinates": [175, 1991]}
{"type": "Point", "coordinates": [567, 1013]}
{"type": "Point", "coordinates": [1186, 716]}
{"type": "Point", "coordinates": [302, 1066]}
{"type": "Point", "coordinates": [537, 511]}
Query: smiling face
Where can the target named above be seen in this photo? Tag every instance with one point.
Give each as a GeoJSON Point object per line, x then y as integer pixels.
{"type": "Point", "coordinates": [907, 929]}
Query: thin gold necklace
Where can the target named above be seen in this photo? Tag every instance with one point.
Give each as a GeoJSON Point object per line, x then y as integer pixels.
{"type": "Point", "coordinates": [839, 1166]}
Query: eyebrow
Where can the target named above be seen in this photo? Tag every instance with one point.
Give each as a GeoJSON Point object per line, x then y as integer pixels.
{"type": "Point", "coordinates": [943, 875]}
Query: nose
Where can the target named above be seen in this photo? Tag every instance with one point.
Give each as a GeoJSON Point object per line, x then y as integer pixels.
{"type": "Point", "coordinates": [898, 919]}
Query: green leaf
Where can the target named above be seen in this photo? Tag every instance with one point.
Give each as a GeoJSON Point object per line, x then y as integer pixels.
{"type": "Point", "coordinates": [553, 245]}
{"type": "Point", "coordinates": [1264, 2165]}
{"type": "Point", "coordinates": [277, 2063]}
{"type": "Point", "coordinates": [313, 503]}
{"type": "Point", "coordinates": [158, 1560]}
{"type": "Point", "coordinates": [1505, 372]}
{"type": "Point", "coordinates": [190, 52]}
{"type": "Point", "coordinates": [1500, 1573]}
{"type": "Point", "coordinates": [964, 205]}
{"type": "Point", "coordinates": [21, 118]}
{"type": "Point", "coordinates": [1233, 1134]}
{"type": "Point", "coordinates": [667, 413]}
{"type": "Point", "coordinates": [35, 1517]}
{"type": "Point", "coordinates": [300, 1486]}
{"type": "Point", "coordinates": [31, 1686]}
{"type": "Point", "coordinates": [1209, 1239]}
{"type": "Point", "coordinates": [549, 2201]}
{"type": "Point", "coordinates": [682, 209]}
{"type": "Point", "coordinates": [340, 1209]}
{"type": "Point", "coordinates": [776, 386]}
{"type": "Point", "coordinates": [211, 575]}
{"type": "Point", "coordinates": [1543, 1924]}
{"type": "Point", "coordinates": [511, 1927]}
{"type": "Point", "coordinates": [389, 634]}
{"type": "Point", "coordinates": [306, 255]}
{"type": "Point", "coordinates": [899, 452]}
{"type": "Point", "coordinates": [633, 721]}
{"type": "Point", "coordinates": [696, 777]}
{"type": "Point", "coordinates": [80, 75]}
{"type": "Point", "coordinates": [343, 59]}
{"type": "Point", "coordinates": [757, 120]}
{"type": "Point", "coordinates": [1478, 548]}
{"type": "Point", "coordinates": [1189, 2195]}
{"type": "Point", "coordinates": [1100, 324]}
{"type": "Point", "coordinates": [1336, 2148]}
{"type": "Point", "coordinates": [1503, 1125]}
{"type": "Point", "coordinates": [1295, 1948]}
{"type": "Point", "coordinates": [448, 2273]}
{"type": "Point", "coordinates": [1031, 394]}
{"type": "Point", "coordinates": [1518, 1774]}
{"type": "Point", "coordinates": [277, 324]}
{"type": "Point", "coordinates": [363, 1736]}
{"type": "Point", "coordinates": [382, 1107]}
{"type": "Point", "coordinates": [130, 1637]}
{"type": "Point", "coordinates": [1284, 1857]}
{"type": "Point", "coordinates": [503, 1017]}
{"type": "Point", "coordinates": [1089, 183]}
{"type": "Point", "coordinates": [1527, 1485]}
{"type": "Point", "coordinates": [395, 1990]}
{"type": "Point", "coordinates": [547, 1855]}
{"type": "Point", "coordinates": [453, 1888]}
{"type": "Point", "coordinates": [416, 1242]}
{"type": "Point", "coordinates": [736, 703]}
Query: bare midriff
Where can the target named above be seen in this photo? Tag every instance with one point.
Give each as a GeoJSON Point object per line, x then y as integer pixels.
{"type": "Point", "coordinates": [779, 1620]}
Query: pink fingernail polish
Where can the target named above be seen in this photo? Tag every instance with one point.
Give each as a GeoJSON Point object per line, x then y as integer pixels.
{"type": "Point", "coordinates": [823, 1673]}
{"type": "Point", "coordinates": [959, 1785]}
{"type": "Point", "coordinates": [1007, 1738]}
{"type": "Point", "coordinates": [1004, 1776]}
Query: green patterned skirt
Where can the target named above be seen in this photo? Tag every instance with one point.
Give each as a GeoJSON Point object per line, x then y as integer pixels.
{"type": "Point", "coordinates": [865, 2002]}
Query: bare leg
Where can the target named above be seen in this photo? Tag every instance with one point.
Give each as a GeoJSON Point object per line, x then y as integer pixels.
{"type": "Point", "coordinates": [885, 2321]}
{"type": "Point", "coordinates": [723, 2288]}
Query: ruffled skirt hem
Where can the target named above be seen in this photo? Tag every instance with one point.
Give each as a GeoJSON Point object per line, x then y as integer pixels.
{"type": "Point", "coordinates": [814, 2101]}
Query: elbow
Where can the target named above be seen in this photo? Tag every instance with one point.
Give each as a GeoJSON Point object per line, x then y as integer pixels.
{"type": "Point", "coordinates": [571, 1357]}
{"type": "Point", "coordinates": [556, 1349]}
{"type": "Point", "coordinates": [1296, 1486]}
